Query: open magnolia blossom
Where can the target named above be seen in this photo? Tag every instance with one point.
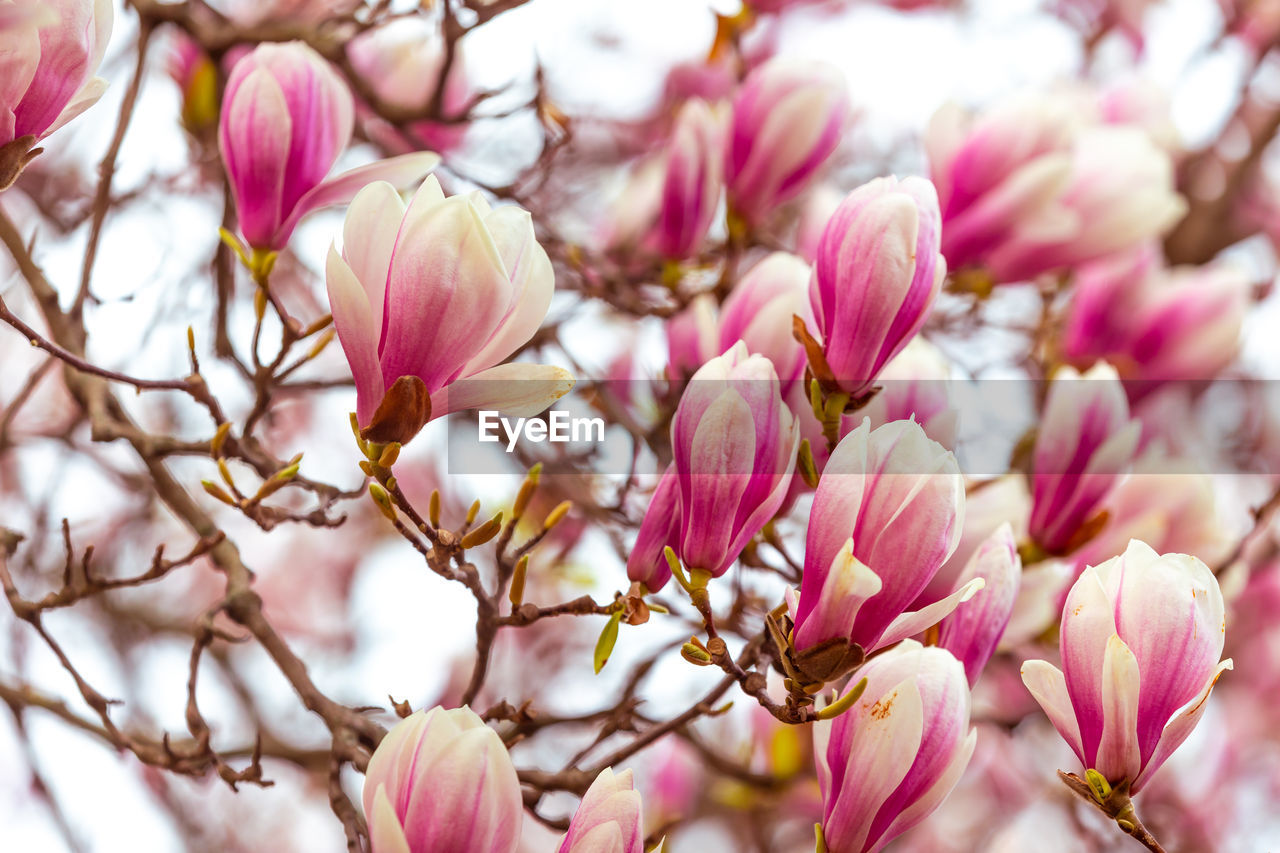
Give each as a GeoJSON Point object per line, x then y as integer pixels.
{"type": "Point", "coordinates": [286, 117]}
{"type": "Point", "coordinates": [429, 299]}
{"type": "Point", "coordinates": [1142, 635]}
{"type": "Point", "coordinates": [887, 514]}
{"type": "Point", "coordinates": [49, 51]}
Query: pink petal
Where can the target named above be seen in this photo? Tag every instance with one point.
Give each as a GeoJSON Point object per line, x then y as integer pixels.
{"type": "Point", "coordinates": [1048, 687]}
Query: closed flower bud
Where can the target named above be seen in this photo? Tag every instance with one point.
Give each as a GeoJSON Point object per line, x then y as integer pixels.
{"type": "Point", "coordinates": [1141, 639]}
{"type": "Point", "coordinates": [442, 780]}
{"type": "Point", "coordinates": [438, 292]}
{"type": "Point", "coordinates": [646, 563]}
{"type": "Point", "coordinates": [608, 819]}
{"type": "Point", "coordinates": [972, 632]}
{"type": "Point", "coordinates": [1084, 443]}
{"type": "Point", "coordinates": [788, 117]}
{"type": "Point", "coordinates": [888, 762]}
{"type": "Point", "coordinates": [887, 513]}
{"type": "Point", "coordinates": [692, 181]}
{"type": "Point", "coordinates": [759, 310]}
{"type": "Point", "coordinates": [734, 443]}
{"type": "Point", "coordinates": [286, 116]}
{"type": "Point", "coordinates": [877, 273]}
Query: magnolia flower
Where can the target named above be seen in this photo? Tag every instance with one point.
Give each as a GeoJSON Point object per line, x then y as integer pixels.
{"type": "Point", "coordinates": [1119, 194]}
{"type": "Point", "coordinates": [887, 513]}
{"type": "Point", "coordinates": [734, 443]}
{"type": "Point", "coordinates": [1156, 324]}
{"type": "Point", "coordinates": [49, 51]}
{"type": "Point", "coordinates": [999, 172]}
{"type": "Point", "coordinates": [788, 117]}
{"type": "Point", "coordinates": [1085, 442]}
{"type": "Point", "coordinates": [608, 819]}
{"type": "Point", "coordinates": [442, 291]}
{"type": "Point", "coordinates": [692, 181]}
{"type": "Point", "coordinates": [972, 632]}
{"type": "Point", "coordinates": [286, 116]}
{"type": "Point", "coordinates": [1141, 639]}
{"type": "Point", "coordinates": [875, 279]}
{"type": "Point", "coordinates": [442, 780]}
{"type": "Point", "coordinates": [889, 761]}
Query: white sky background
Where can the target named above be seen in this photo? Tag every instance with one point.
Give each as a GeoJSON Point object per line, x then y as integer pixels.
{"type": "Point", "coordinates": [900, 67]}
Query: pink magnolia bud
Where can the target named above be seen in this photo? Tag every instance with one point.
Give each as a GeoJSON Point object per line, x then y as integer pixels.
{"type": "Point", "coordinates": [608, 820]}
{"type": "Point", "coordinates": [647, 563]}
{"type": "Point", "coordinates": [972, 632]}
{"type": "Point", "coordinates": [734, 443]}
{"type": "Point", "coordinates": [49, 51]}
{"type": "Point", "coordinates": [889, 761]}
{"type": "Point", "coordinates": [1141, 638]}
{"type": "Point", "coordinates": [693, 180]}
{"type": "Point", "coordinates": [441, 291]}
{"type": "Point", "coordinates": [759, 310]}
{"type": "Point", "coordinates": [442, 780]}
{"type": "Point", "coordinates": [286, 116]}
{"type": "Point", "coordinates": [1085, 442]}
{"type": "Point", "coordinates": [1120, 193]}
{"type": "Point", "coordinates": [692, 337]}
{"type": "Point", "coordinates": [877, 273]}
{"type": "Point", "coordinates": [887, 513]}
{"type": "Point", "coordinates": [787, 120]}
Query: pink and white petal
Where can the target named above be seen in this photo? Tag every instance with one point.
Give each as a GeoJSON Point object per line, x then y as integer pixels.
{"type": "Point", "coordinates": [910, 624]}
{"type": "Point", "coordinates": [1118, 755]}
{"type": "Point", "coordinates": [401, 171]}
{"type": "Point", "coordinates": [532, 281]}
{"type": "Point", "coordinates": [446, 290]}
{"type": "Point", "coordinates": [368, 237]}
{"type": "Point", "coordinates": [1088, 621]}
{"type": "Point", "coordinates": [353, 319]}
{"type": "Point", "coordinates": [884, 747]}
{"type": "Point", "coordinates": [933, 797]}
{"type": "Point", "coordinates": [519, 389]}
{"type": "Point", "coordinates": [385, 833]}
{"type": "Point", "coordinates": [81, 101]}
{"type": "Point", "coordinates": [1048, 687]}
{"type": "Point", "coordinates": [1179, 728]}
